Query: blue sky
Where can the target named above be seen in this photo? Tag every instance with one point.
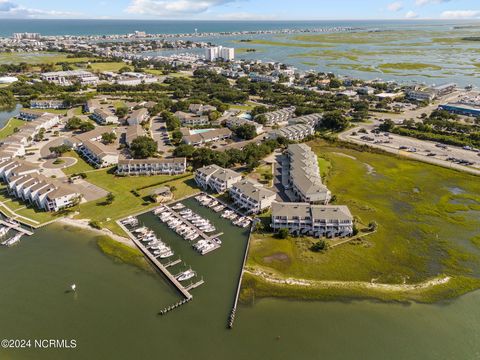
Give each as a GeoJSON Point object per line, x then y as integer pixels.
{"type": "Point", "coordinates": [242, 9]}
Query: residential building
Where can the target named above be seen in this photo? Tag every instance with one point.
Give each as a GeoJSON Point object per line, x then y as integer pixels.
{"type": "Point", "coordinates": [255, 77]}
{"type": "Point", "coordinates": [200, 109]}
{"type": "Point", "coordinates": [421, 95]}
{"type": "Point", "coordinates": [103, 117]}
{"type": "Point", "coordinates": [187, 119]}
{"type": "Point", "coordinates": [220, 53]}
{"type": "Point", "coordinates": [133, 132]}
{"type": "Point", "coordinates": [293, 132]}
{"type": "Point", "coordinates": [303, 175]}
{"type": "Point", "coordinates": [97, 154]}
{"type": "Point", "coordinates": [207, 137]}
{"type": "Point", "coordinates": [170, 166]}
{"type": "Point", "coordinates": [69, 77]}
{"type": "Point", "coordinates": [444, 89]}
{"type": "Point", "coordinates": [138, 116]}
{"type": "Point", "coordinates": [279, 117]}
{"type": "Point", "coordinates": [462, 109]}
{"type": "Point", "coordinates": [47, 104]}
{"type": "Point", "coordinates": [29, 115]}
{"type": "Point", "coordinates": [251, 196]}
{"type": "Point", "coordinates": [216, 178]}
{"type": "Point", "coordinates": [234, 122]}
{"type": "Point", "coordinates": [314, 220]}
{"type": "Point", "coordinates": [312, 119]}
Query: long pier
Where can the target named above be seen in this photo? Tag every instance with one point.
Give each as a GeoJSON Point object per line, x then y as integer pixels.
{"type": "Point", "coordinates": [231, 318]}
{"type": "Point", "coordinates": [16, 227]}
{"type": "Point", "coordinates": [158, 264]}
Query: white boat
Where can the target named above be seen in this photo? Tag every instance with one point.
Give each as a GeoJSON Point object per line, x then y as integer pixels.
{"type": "Point", "coordinates": [4, 231]}
{"type": "Point", "coordinates": [218, 208]}
{"type": "Point", "coordinates": [178, 206]}
{"type": "Point", "coordinates": [141, 230]}
{"type": "Point", "coordinates": [186, 275]}
{"type": "Point", "coordinates": [13, 240]}
{"type": "Point", "coordinates": [73, 287]}
{"type": "Point", "coordinates": [166, 255]}
{"type": "Point", "coordinates": [227, 213]}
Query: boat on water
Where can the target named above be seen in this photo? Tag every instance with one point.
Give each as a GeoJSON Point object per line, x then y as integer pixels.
{"type": "Point", "coordinates": [178, 206]}
{"type": "Point", "coordinates": [166, 254]}
{"type": "Point", "coordinates": [4, 231]}
{"type": "Point", "coordinates": [186, 275]}
{"type": "Point", "coordinates": [141, 230]}
{"type": "Point", "coordinates": [13, 240]}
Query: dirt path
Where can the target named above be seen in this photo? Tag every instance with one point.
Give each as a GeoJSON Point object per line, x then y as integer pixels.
{"type": "Point", "coordinates": [275, 279]}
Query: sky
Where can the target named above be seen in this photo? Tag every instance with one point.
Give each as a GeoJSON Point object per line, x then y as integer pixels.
{"type": "Point", "coordinates": [241, 9]}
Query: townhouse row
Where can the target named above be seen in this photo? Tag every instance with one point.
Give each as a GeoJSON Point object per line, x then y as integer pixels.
{"type": "Point", "coordinates": [25, 183]}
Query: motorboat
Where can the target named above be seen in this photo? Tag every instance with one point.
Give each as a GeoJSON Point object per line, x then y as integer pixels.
{"type": "Point", "coordinates": [166, 254]}
{"type": "Point", "coordinates": [141, 230]}
{"type": "Point", "coordinates": [13, 240]}
{"type": "Point", "coordinates": [4, 231]}
{"type": "Point", "coordinates": [186, 275]}
{"type": "Point", "coordinates": [178, 206]}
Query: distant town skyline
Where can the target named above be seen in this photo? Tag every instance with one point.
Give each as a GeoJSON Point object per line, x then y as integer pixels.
{"type": "Point", "coordinates": [241, 9]}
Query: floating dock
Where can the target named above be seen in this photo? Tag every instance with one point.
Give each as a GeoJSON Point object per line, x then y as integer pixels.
{"type": "Point", "coordinates": [16, 227]}
{"type": "Point", "coordinates": [158, 265]}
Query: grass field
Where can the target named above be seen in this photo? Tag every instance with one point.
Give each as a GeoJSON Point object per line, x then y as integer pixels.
{"type": "Point", "coordinates": [81, 165]}
{"type": "Point", "coordinates": [284, 43]}
{"type": "Point", "coordinates": [425, 229]}
{"type": "Point", "coordinates": [9, 128]}
{"type": "Point", "coordinates": [408, 66]}
{"type": "Point", "coordinates": [262, 173]}
{"type": "Point", "coordinates": [38, 58]}
{"type": "Point", "coordinates": [126, 202]}
{"type": "Point", "coordinates": [107, 66]}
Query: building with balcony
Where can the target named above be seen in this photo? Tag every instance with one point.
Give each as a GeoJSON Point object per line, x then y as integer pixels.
{"type": "Point", "coordinates": [252, 197]}
{"type": "Point", "coordinates": [136, 167]}
{"type": "Point", "coordinates": [216, 178]}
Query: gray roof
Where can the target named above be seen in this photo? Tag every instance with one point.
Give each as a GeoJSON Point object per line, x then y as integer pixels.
{"type": "Point", "coordinates": [253, 190]}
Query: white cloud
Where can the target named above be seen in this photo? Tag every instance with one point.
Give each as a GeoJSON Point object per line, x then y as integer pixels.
{"type": "Point", "coordinates": [426, 2]}
{"type": "Point", "coordinates": [395, 6]}
{"type": "Point", "coordinates": [9, 9]}
{"type": "Point", "coordinates": [411, 15]}
{"type": "Point", "coordinates": [173, 8]}
{"type": "Point", "coordinates": [461, 14]}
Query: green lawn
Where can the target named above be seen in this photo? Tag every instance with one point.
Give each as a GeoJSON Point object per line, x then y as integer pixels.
{"type": "Point", "coordinates": [126, 202]}
{"type": "Point", "coordinates": [80, 167]}
{"type": "Point", "coordinates": [427, 217]}
{"type": "Point", "coordinates": [8, 129]}
{"type": "Point", "coordinates": [262, 174]}
{"type": "Point", "coordinates": [38, 58]}
{"type": "Point", "coordinates": [108, 66]}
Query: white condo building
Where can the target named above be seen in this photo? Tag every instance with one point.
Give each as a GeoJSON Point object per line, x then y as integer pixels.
{"type": "Point", "coordinates": [220, 52]}
{"type": "Point", "coordinates": [216, 178]}
{"type": "Point", "coordinates": [251, 196]}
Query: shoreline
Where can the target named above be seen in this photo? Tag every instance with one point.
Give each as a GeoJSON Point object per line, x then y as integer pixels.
{"type": "Point", "coordinates": [83, 224]}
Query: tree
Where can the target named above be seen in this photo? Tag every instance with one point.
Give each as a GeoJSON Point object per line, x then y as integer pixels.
{"type": "Point", "coordinates": [87, 126]}
{"type": "Point", "coordinates": [40, 135]}
{"type": "Point", "coordinates": [74, 123]}
{"type": "Point", "coordinates": [319, 246]}
{"type": "Point", "coordinates": [60, 150]}
{"type": "Point", "coordinates": [372, 226]}
{"type": "Point", "coordinates": [334, 120]}
{"type": "Point", "coordinates": [109, 199]}
{"type": "Point", "coordinates": [177, 136]}
{"type": "Point", "coordinates": [109, 137]}
{"type": "Point", "coordinates": [184, 150]}
{"type": "Point", "coordinates": [124, 69]}
{"type": "Point", "coordinates": [246, 131]}
{"type": "Point", "coordinates": [387, 125]}
{"type": "Point", "coordinates": [143, 147]}
{"type": "Point", "coordinates": [121, 111]}
{"type": "Point", "coordinates": [214, 115]}
{"type": "Point", "coordinates": [171, 121]}
{"type": "Point", "coordinates": [283, 233]}
{"type": "Point", "coordinates": [261, 119]}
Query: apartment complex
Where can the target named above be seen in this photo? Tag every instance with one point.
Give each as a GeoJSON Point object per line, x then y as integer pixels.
{"type": "Point", "coordinates": [207, 136]}
{"type": "Point", "coordinates": [173, 166]}
{"type": "Point", "coordinates": [293, 132]}
{"type": "Point", "coordinates": [25, 182]}
{"type": "Point", "coordinates": [220, 53]}
{"type": "Point", "coordinates": [133, 132]}
{"type": "Point", "coordinates": [280, 116]}
{"type": "Point", "coordinates": [69, 77]}
{"type": "Point", "coordinates": [251, 196]}
{"type": "Point", "coordinates": [303, 175]}
{"type": "Point", "coordinates": [216, 178]}
{"type": "Point", "coordinates": [88, 145]}
{"type": "Point", "coordinates": [47, 104]}
{"type": "Point", "coordinates": [313, 220]}
{"type": "Point", "coordinates": [104, 116]}
{"type": "Point", "coordinates": [188, 119]}
{"type": "Point", "coordinates": [138, 116]}
{"type": "Point", "coordinates": [234, 122]}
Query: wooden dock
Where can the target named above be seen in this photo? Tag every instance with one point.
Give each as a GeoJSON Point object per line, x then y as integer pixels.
{"type": "Point", "coordinates": [16, 227]}
{"type": "Point", "coordinates": [158, 264]}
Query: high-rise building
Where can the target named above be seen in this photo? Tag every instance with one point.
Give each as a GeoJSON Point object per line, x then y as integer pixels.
{"type": "Point", "coordinates": [220, 52]}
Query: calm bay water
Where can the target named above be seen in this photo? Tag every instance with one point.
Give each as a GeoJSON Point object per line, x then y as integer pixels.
{"type": "Point", "coordinates": [7, 115]}
{"type": "Point", "coordinates": [113, 315]}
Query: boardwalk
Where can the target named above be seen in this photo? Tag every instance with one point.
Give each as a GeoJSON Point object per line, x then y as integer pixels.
{"type": "Point", "coordinates": [158, 264]}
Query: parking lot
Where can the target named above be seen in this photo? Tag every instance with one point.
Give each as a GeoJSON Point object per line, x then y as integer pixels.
{"type": "Point", "coordinates": [444, 155]}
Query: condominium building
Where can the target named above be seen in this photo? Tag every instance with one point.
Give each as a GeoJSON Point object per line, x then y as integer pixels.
{"type": "Point", "coordinates": [187, 119]}
{"type": "Point", "coordinates": [302, 174]}
{"type": "Point", "coordinates": [207, 137]}
{"type": "Point", "coordinates": [133, 132]}
{"type": "Point", "coordinates": [279, 117]}
{"type": "Point", "coordinates": [312, 119]}
{"type": "Point", "coordinates": [138, 116]}
{"type": "Point", "coordinates": [293, 132]}
{"type": "Point", "coordinates": [216, 178]}
{"type": "Point", "coordinates": [47, 104]}
{"type": "Point", "coordinates": [172, 166]}
{"type": "Point", "coordinates": [234, 122]}
{"type": "Point", "coordinates": [97, 154]}
{"type": "Point", "coordinates": [103, 117]}
{"type": "Point", "coordinates": [200, 109]}
{"type": "Point", "coordinates": [256, 77]}
{"type": "Point", "coordinates": [313, 220]}
{"type": "Point", "coordinates": [29, 115]}
{"type": "Point", "coordinates": [26, 183]}
{"type": "Point", "coordinates": [251, 196]}
{"type": "Point", "coordinates": [220, 52]}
